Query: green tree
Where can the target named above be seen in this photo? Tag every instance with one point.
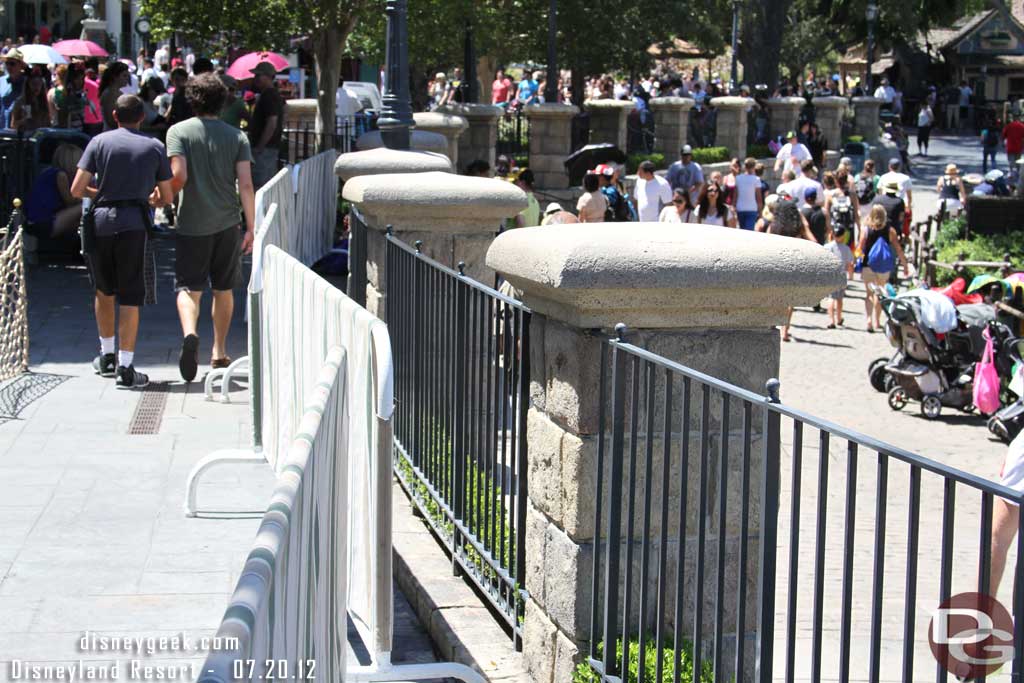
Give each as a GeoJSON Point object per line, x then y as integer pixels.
{"type": "Point", "coordinates": [267, 25]}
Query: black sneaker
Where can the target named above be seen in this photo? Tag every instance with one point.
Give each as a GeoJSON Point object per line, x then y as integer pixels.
{"type": "Point", "coordinates": [188, 359]}
{"type": "Point", "coordinates": [130, 378]}
{"type": "Point", "coordinates": [105, 364]}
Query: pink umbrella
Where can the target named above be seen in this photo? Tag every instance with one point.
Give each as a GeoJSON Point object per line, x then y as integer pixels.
{"type": "Point", "coordinates": [242, 67]}
{"type": "Point", "coordinates": [79, 48]}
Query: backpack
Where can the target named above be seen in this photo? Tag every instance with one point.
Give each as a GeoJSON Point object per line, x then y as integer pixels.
{"type": "Point", "coordinates": [841, 213]}
{"type": "Point", "coordinates": [991, 138]}
{"type": "Point", "coordinates": [880, 257]}
{"type": "Point", "coordinates": [865, 188]}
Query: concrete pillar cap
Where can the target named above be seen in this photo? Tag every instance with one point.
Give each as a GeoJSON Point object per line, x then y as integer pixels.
{"type": "Point", "coordinates": [684, 103]}
{"type": "Point", "coordinates": [435, 201]}
{"type": "Point", "coordinates": [732, 102]}
{"type": "Point", "coordinates": [296, 107]}
{"type": "Point", "coordinates": [609, 104]}
{"type": "Point", "coordinates": [437, 121]}
{"type": "Point", "coordinates": [472, 111]}
{"type": "Point", "coordinates": [384, 160]}
{"type": "Point", "coordinates": [420, 141]}
{"type": "Point", "coordinates": [552, 110]}
{"type": "Point", "coordinates": [658, 275]}
{"type": "Point", "coordinates": [869, 100]}
{"type": "Point", "coordinates": [786, 102]}
{"type": "Point", "coordinates": [831, 101]}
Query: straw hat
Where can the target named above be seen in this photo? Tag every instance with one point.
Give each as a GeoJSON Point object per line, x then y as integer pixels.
{"type": "Point", "coordinates": [951, 169]}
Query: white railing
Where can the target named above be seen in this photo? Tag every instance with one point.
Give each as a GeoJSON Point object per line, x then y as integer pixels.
{"type": "Point", "coordinates": [324, 548]}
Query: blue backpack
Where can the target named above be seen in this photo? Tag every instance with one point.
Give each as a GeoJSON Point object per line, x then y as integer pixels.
{"type": "Point", "coordinates": [880, 257]}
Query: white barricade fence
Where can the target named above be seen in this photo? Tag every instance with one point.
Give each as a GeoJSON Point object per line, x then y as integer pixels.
{"type": "Point", "coordinates": [324, 548]}
{"type": "Point", "coordinates": [13, 299]}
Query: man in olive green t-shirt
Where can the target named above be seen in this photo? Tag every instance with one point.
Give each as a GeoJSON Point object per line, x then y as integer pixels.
{"type": "Point", "coordinates": [211, 163]}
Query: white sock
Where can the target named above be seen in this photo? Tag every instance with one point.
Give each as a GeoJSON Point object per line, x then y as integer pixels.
{"type": "Point", "coordinates": [106, 345]}
{"type": "Point", "coordinates": [125, 358]}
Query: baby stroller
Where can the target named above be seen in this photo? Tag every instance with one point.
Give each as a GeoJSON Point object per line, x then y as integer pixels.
{"type": "Point", "coordinates": [1007, 423]}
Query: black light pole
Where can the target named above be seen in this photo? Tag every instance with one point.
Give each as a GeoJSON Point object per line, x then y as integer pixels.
{"type": "Point", "coordinates": [471, 91]}
{"type": "Point", "coordinates": [872, 15]}
{"type": "Point", "coordinates": [551, 87]}
{"type": "Point", "coordinates": [735, 74]}
{"type": "Point", "coordinates": [396, 117]}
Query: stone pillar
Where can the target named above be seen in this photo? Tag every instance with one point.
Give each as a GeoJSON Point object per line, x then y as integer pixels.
{"type": "Point", "coordinates": [420, 141]}
{"type": "Point", "coordinates": [550, 143]}
{"type": "Point", "coordinates": [828, 114]}
{"type": "Point", "coordinates": [671, 124]}
{"type": "Point", "coordinates": [704, 297]}
{"type": "Point", "coordinates": [456, 218]}
{"type": "Point", "coordinates": [783, 114]}
{"type": "Point", "coordinates": [300, 113]}
{"type": "Point", "coordinates": [865, 118]}
{"type": "Point", "coordinates": [608, 121]}
{"type": "Point", "coordinates": [731, 130]}
{"type": "Point", "coordinates": [448, 125]}
{"type": "Point", "coordinates": [480, 140]}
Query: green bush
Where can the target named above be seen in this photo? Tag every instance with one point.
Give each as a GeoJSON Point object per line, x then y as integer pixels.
{"type": "Point", "coordinates": [634, 160]}
{"type": "Point", "coordinates": [855, 138]}
{"type": "Point", "coordinates": [710, 155]}
{"type": "Point", "coordinates": [951, 247]}
{"type": "Point", "coordinates": [759, 151]}
{"type": "Point", "coordinates": [584, 674]}
{"type": "Point", "coordinates": [522, 160]}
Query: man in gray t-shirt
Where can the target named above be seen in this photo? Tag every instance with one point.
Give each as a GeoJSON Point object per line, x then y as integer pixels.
{"type": "Point", "coordinates": [211, 163]}
{"type": "Point", "coordinates": [126, 166]}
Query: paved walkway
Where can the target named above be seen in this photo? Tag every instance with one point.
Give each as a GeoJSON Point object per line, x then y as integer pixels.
{"type": "Point", "coordinates": [825, 373]}
{"type": "Point", "coordinates": [92, 535]}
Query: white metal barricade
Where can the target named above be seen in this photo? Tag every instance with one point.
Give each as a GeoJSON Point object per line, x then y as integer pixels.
{"type": "Point", "coordinates": [324, 548]}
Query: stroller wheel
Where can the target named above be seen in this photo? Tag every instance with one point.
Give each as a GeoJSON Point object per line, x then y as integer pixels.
{"type": "Point", "coordinates": [877, 374]}
{"type": "Point", "coordinates": [969, 408]}
{"type": "Point", "coordinates": [897, 398]}
{"type": "Point", "coordinates": [931, 406]}
{"type": "Point", "coordinates": [998, 428]}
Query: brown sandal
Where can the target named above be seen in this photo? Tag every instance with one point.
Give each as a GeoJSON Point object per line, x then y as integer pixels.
{"type": "Point", "coordinates": [219, 363]}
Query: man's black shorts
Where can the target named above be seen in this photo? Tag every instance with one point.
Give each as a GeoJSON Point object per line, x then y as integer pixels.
{"type": "Point", "coordinates": [208, 260]}
{"type": "Point", "coordinates": [118, 266]}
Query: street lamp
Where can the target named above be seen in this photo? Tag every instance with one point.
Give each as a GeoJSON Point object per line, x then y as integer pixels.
{"type": "Point", "coordinates": [469, 89]}
{"type": "Point", "coordinates": [396, 115]}
{"type": "Point", "coordinates": [872, 16]}
{"type": "Point", "coordinates": [734, 75]}
{"type": "Point", "coordinates": [551, 86]}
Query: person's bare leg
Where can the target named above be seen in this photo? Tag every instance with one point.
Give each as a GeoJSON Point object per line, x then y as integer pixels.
{"type": "Point", "coordinates": [105, 314]}
{"type": "Point", "coordinates": [223, 309]}
{"type": "Point", "coordinates": [869, 305]}
{"type": "Point", "coordinates": [785, 328]}
{"type": "Point", "coordinates": [188, 311]}
{"type": "Point", "coordinates": [67, 220]}
{"type": "Point", "coordinates": [128, 327]}
{"type": "Point", "coordinates": [839, 311]}
{"type": "Point", "coordinates": [1004, 528]}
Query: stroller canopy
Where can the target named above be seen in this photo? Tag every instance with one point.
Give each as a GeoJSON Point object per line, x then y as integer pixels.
{"type": "Point", "coordinates": [938, 312]}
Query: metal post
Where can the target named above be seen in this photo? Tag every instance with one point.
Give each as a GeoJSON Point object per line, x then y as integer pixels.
{"type": "Point", "coordinates": [872, 16]}
{"type": "Point", "coordinates": [396, 117]}
{"type": "Point", "coordinates": [551, 88]}
{"type": "Point", "coordinates": [471, 92]}
{"type": "Point", "coordinates": [734, 74]}
{"type": "Point", "coordinates": [769, 536]}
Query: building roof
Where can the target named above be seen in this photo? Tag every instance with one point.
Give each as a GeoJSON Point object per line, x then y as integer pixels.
{"type": "Point", "coordinates": [949, 36]}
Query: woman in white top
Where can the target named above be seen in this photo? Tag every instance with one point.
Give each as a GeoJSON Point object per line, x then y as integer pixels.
{"type": "Point", "coordinates": [925, 119]}
{"type": "Point", "coordinates": [749, 196]}
{"type": "Point", "coordinates": [713, 210]}
{"type": "Point", "coordinates": [680, 210]}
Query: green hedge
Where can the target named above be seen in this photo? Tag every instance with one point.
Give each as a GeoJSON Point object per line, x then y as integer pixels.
{"type": "Point", "coordinates": [584, 674]}
{"type": "Point", "coordinates": [634, 160]}
{"type": "Point", "coordinates": [759, 151]}
{"type": "Point", "coordinates": [951, 245]}
{"type": "Point", "coordinates": [710, 155]}
{"type": "Point", "coordinates": [855, 138]}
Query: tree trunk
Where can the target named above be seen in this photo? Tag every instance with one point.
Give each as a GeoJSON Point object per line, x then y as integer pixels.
{"type": "Point", "coordinates": [760, 47]}
{"type": "Point", "coordinates": [327, 53]}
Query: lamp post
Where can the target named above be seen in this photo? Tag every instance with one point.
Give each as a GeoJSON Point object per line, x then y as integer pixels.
{"type": "Point", "coordinates": [396, 116]}
{"type": "Point", "coordinates": [470, 91]}
{"type": "Point", "coordinates": [734, 74]}
{"type": "Point", "coordinates": [872, 16]}
{"type": "Point", "coordinates": [551, 87]}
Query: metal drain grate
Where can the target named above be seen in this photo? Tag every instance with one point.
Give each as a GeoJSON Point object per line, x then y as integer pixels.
{"type": "Point", "coordinates": [150, 410]}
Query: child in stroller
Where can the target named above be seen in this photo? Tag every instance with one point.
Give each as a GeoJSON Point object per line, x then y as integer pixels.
{"type": "Point", "coordinates": [937, 345]}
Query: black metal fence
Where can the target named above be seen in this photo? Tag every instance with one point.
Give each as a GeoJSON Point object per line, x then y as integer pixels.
{"type": "Point", "coordinates": [299, 143]}
{"type": "Point", "coordinates": [513, 133]}
{"type": "Point", "coordinates": [15, 173]}
{"type": "Point", "coordinates": [462, 354]}
{"type": "Point", "coordinates": [701, 564]}
{"type": "Point", "coordinates": [356, 257]}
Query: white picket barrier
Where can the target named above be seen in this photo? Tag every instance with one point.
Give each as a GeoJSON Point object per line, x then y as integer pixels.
{"type": "Point", "coordinates": [324, 548]}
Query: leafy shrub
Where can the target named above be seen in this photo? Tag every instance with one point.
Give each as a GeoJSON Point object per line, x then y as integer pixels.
{"type": "Point", "coordinates": [759, 151]}
{"type": "Point", "coordinates": [951, 247]}
{"type": "Point", "coordinates": [522, 160]}
{"type": "Point", "coordinates": [584, 674]}
{"type": "Point", "coordinates": [855, 138]}
{"type": "Point", "coordinates": [710, 155]}
{"type": "Point", "coordinates": [634, 160]}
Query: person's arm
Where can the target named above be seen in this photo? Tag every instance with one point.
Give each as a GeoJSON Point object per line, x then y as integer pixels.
{"type": "Point", "coordinates": [179, 173]}
{"type": "Point", "coordinates": [80, 188]}
{"type": "Point", "coordinates": [164, 193]}
{"type": "Point", "coordinates": [759, 194]}
{"type": "Point", "coordinates": [963, 192]}
{"type": "Point", "coordinates": [51, 105]}
{"type": "Point", "coordinates": [730, 217]}
{"type": "Point", "coordinates": [894, 240]}
{"type": "Point", "coordinates": [247, 193]}
{"type": "Point", "coordinates": [828, 214]}
{"type": "Point", "coordinates": [806, 230]}
{"type": "Point", "coordinates": [910, 198]}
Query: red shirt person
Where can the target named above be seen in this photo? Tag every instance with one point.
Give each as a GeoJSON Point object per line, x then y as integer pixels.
{"type": "Point", "coordinates": [1013, 136]}
{"type": "Point", "coordinates": [501, 89]}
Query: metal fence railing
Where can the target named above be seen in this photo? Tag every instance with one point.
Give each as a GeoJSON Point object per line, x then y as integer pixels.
{"type": "Point", "coordinates": [513, 133]}
{"type": "Point", "coordinates": [462, 367]}
{"type": "Point", "coordinates": [357, 237]}
{"type": "Point", "coordinates": [746, 540]}
{"type": "Point", "coordinates": [300, 142]}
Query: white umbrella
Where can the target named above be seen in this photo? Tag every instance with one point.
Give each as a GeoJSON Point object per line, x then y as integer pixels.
{"type": "Point", "coordinates": [41, 54]}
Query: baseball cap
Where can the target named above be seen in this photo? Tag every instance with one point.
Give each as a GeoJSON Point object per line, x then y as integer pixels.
{"type": "Point", "coordinates": [603, 169]}
{"type": "Point", "coordinates": [791, 134]}
{"type": "Point", "coordinates": [686, 150]}
{"type": "Point", "coordinates": [894, 162]}
{"type": "Point", "coordinates": [551, 208]}
{"type": "Point", "coordinates": [811, 192]}
{"type": "Point", "coordinates": [264, 69]}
